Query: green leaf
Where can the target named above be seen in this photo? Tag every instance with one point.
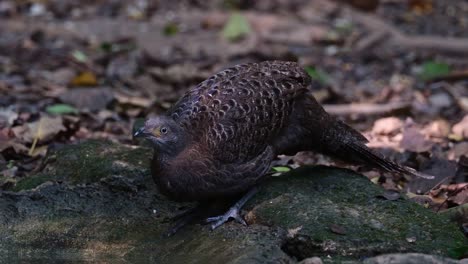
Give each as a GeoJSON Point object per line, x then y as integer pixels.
{"type": "Point", "coordinates": [317, 74]}
{"type": "Point", "coordinates": [106, 46]}
{"type": "Point", "coordinates": [79, 56]}
{"type": "Point", "coordinates": [281, 169]}
{"type": "Point", "coordinates": [236, 27]}
{"type": "Point", "coordinates": [432, 69]}
{"type": "Point", "coordinates": [170, 29]}
{"type": "Point", "coordinates": [61, 109]}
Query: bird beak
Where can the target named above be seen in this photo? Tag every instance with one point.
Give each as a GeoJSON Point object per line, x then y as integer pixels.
{"type": "Point", "coordinates": [141, 132]}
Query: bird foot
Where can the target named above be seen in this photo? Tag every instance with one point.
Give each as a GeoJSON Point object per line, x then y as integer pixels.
{"type": "Point", "coordinates": [233, 213]}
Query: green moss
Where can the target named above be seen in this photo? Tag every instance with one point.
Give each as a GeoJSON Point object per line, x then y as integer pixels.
{"type": "Point", "coordinates": [318, 198]}
{"type": "Point", "coordinates": [95, 159]}
{"type": "Point", "coordinates": [309, 199]}
{"type": "Point", "coordinates": [89, 162]}
{"type": "Point", "coordinates": [31, 182]}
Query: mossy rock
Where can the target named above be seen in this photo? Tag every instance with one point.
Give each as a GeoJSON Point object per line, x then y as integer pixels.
{"type": "Point", "coordinates": [338, 212]}
{"type": "Point", "coordinates": [89, 162]}
{"type": "Point", "coordinates": [97, 203]}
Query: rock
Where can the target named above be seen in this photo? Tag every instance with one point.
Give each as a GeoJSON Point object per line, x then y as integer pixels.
{"type": "Point", "coordinates": [95, 201]}
{"type": "Point", "coordinates": [409, 258]}
{"type": "Point", "coordinates": [313, 260]}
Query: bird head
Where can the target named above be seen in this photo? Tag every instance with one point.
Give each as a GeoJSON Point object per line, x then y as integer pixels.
{"type": "Point", "coordinates": [166, 136]}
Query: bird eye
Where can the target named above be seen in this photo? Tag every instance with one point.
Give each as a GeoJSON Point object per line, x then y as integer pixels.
{"type": "Point", "coordinates": [163, 130]}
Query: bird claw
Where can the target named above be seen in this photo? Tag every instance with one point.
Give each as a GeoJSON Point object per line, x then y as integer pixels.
{"type": "Point", "coordinates": [221, 219]}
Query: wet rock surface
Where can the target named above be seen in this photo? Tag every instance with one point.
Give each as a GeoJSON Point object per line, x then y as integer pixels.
{"type": "Point", "coordinates": [95, 201]}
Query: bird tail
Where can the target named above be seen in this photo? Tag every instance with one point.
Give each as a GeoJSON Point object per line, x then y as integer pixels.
{"type": "Point", "coordinates": [364, 153]}
{"type": "Point", "coordinates": [335, 138]}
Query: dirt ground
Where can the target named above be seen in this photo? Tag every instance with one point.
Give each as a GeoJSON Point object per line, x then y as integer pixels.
{"type": "Point", "coordinates": [75, 70]}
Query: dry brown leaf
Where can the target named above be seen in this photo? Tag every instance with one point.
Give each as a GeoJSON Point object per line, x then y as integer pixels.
{"type": "Point", "coordinates": [7, 117]}
{"type": "Point", "coordinates": [387, 126]}
{"type": "Point", "coordinates": [86, 78]}
{"type": "Point", "coordinates": [458, 150]}
{"type": "Point", "coordinates": [461, 128]}
{"type": "Point", "coordinates": [44, 129]}
{"type": "Point", "coordinates": [461, 197]}
{"type": "Point", "coordinates": [463, 102]}
{"type": "Point", "coordinates": [292, 232]}
{"type": "Point", "coordinates": [438, 129]}
{"type": "Point", "coordinates": [337, 229]}
{"type": "Point", "coordinates": [92, 99]}
{"type": "Point", "coordinates": [421, 6]}
{"type": "Point", "coordinates": [38, 151]}
{"type": "Point", "coordinates": [414, 141]}
{"type": "Point", "coordinates": [132, 100]}
{"type": "Point", "coordinates": [7, 141]}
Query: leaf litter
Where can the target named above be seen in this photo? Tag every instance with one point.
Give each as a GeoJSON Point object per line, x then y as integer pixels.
{"type": "Point", "coordinates": [58, 85]}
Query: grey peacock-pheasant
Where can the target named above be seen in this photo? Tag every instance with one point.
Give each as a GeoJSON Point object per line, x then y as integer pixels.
{"type": "Point", "coordinates": [219, 140]}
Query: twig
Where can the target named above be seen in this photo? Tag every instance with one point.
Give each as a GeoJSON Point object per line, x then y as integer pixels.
{"type": "Point", "coordinates": [364, 108]}
{"type": "Point", "coordinates": [385, 33]}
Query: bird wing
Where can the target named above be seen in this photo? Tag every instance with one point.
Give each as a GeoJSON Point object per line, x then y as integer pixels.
{"type": "Point", "coordinates": [237, 112]}
{"type": "Point", "coordinates": [197, 176]}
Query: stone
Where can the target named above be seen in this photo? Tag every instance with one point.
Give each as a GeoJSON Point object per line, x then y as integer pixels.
{"type": "Point", "coordinates": [95, 201]}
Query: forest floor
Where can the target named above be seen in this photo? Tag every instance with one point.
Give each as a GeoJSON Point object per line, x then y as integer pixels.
{"type": "Point", "coordinates": [76, 70]}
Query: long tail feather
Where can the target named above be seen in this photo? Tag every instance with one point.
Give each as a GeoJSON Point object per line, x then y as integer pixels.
{"type": "Point", "coordinates": [369, 156]}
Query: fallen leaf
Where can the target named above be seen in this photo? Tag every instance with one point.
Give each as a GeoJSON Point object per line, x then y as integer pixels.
{"type": "Point", "coordinates": [10, 172]}
{"type": "Point", "coordinates": [317, 74]}
{"type": "Point", "coordinates": [462, 170]}
{"type": "Point", "coordinates": [458, 150]}
{"type": "Point", "coordinates": [236, 27]}
{"type": "Point", "coordinates": [92, 99]}
{"type": "Point", "coordinates": [433, 69]}
{"type": "Point", "coordinates": [414, 141]}
{"type": "Point", "coordinates": [421, 7]}
{"type": "Point", "coordinates": [8, 141]}
{"type": "Point", "coordinates": [44, 129]}
{"type": "Point", "coordinates": [79, 56]}
{"type": "Point", "coordinates": [61, 109]}
{"type": "Point", "coordinates": [38, 151]}
{"type": "Point", "coordinates": [281, 169]}
{"type": "Point", "coordinates": [292, 232]}
{"type": "Point", "coordinates": [463, 102]}
{"type": "Point", "coordinates": [440, 100]}
{"type": "Point", "coordinates": [337, 229]}
{"type": "Point", "coordinates": [387, 126]}
{"type": "Point", "coordinates": [170, 29]}
{"type": "Point", "coordinates": [438, 129]}
{"type": "Point", "coordinates": [460, 129]}
{"type": "Point", "coordinates": [7, 117]}
{"type": "Point", "coordinates": [460, 198]}
{"type": "Point", "coordinates": [86, 78]}
{"type": "Point", "coordinates": [390, 195]}
{"type": "Point", "coordinates": [133, 100]}
{"type": "Point", "coordinates": [62, 76]}
{"type": "Point", "coordinates": [442, 169]}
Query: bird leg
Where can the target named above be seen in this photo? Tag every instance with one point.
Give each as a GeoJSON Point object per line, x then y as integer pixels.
{"type": "Point", "coordinates": [233, 212]}
{"type": "Point", "coordinates": [184, 219]}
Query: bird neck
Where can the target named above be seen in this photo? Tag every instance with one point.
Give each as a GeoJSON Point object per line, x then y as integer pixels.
{"type": "Point", "coordinates": [163, 153]}
{"type": "Point", "coordinates": [159, 161]}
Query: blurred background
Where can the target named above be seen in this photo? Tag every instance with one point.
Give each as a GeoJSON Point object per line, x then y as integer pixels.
{"type": "Point", "coordinates": [396, 70]}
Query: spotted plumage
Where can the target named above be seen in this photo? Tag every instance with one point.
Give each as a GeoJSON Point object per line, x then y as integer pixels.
{"type": "Point", "coordinates": [220, 138]}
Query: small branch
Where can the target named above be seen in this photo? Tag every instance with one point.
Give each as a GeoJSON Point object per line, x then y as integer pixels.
{"type": "Point", "coordinates": [387, 34]}
{"type": "Point", "coordinates": [367, 109]}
